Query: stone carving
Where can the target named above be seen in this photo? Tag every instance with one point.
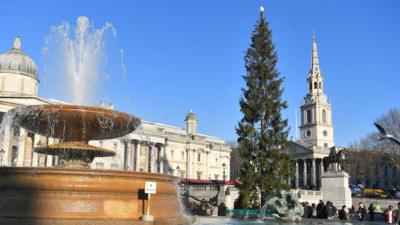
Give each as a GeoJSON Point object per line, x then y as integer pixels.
{"type": "Point", "coordinates": [285, 206]}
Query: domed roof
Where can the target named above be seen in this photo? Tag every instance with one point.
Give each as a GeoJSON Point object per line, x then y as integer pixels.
{"type": "Point", "coordinates": [15, 61]}
{"type": "Point", "coordinates": [191, 116]}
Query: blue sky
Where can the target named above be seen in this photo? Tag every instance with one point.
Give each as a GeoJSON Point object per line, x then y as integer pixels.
{"type": "Point", "coordinates": [183, 55]}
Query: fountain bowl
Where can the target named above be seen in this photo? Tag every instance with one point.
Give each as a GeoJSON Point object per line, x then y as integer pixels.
{"type": "Point", "coordinates": [42, 196]}
{"type": "Point", "coordinates": [75, 122]}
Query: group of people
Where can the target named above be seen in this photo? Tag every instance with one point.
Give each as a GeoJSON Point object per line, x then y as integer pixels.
{"type": "Point", "coordinates": [204, 208]}
{"type": "Point", "coordinates": [320, 211]}
{"type": "Point", "coordinates": [328, 211]}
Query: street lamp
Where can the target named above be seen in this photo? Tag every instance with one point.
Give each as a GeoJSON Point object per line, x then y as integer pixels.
{"type": "Point", "coordinates": [223, 172]}
{"type": "Point", "coordinates": [2, 152]}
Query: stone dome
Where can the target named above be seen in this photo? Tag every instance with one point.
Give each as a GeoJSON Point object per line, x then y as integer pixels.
{"type": "Point", "coordinates": [16, 61]}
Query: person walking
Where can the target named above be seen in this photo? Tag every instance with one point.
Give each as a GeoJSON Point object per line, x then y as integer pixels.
{"type": "Point", "coordinates": [343, 214]}
{"type": "Point", "coordinates": [389, 215]}
{"type": "Point", "coordinates": [371, 212]}
{"type": "Point", "coordinates": [398, 213]}
{"type": "Point", "coordinates": [362, 212]}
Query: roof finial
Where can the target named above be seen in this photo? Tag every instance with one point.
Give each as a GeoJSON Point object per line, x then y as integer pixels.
{"type": "Point", "coordinates": [262, 9]}
{"type": "Point", "coordinates": [191, 111]}
{"type": "Point", "coordinates": [17, 43]}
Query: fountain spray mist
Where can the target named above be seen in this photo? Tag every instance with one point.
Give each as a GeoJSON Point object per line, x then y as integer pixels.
{"type": "Point", "coordinates": [77, 57]}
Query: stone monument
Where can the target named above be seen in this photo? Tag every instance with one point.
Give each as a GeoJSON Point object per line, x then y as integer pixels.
{"type": "Point", "coordinates": [335, 182]}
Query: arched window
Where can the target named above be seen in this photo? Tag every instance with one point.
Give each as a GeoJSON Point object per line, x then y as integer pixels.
{"type": "Point", "coordinates": [315, 85]}
{"type": "Point", "coordinates": [309, 116]}
{"type": "Point", "coordinates": [310, 86]}
{"type": "Point", "coordinates": [324, 116]}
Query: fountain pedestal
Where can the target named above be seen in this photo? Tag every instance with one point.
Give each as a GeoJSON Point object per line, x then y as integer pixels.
{"type": "Point", "coordinates": [335, 188]}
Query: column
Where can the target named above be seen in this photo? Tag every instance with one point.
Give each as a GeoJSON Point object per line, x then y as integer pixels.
{"type": "Point", "coordinates": [206, 158]}
{"type": "Point", "coordinates": [6, 146]}
{"type": "Point", "coordinates": [313, 174]}
{"type": "Point", "coordinates": [21, 146]}
{"type": "Point", "coordinates": [305, 173]}
{"type": "Point", "coordinates": [137, 153]}
{"type": "Point", "coordinates": [321, 167]}
{"type": "Point", "coordinates": [163, 158]}
{"type": "Point", "coordinates": [297, 175]}
{"type": "Point", "coordinates": [188, 169]}
{"type": "Point", "coordinates": [28, 150]}
{"type": "Point", "coordinates": [49, 158]}
{"type": "Point", "coordinates": [150, 157]}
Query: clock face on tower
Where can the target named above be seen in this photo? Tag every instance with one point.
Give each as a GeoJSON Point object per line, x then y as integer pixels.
{"type": "Point", "coordinates": [325, 133]}
{"type": "Point", "coordinates": [307, 133]}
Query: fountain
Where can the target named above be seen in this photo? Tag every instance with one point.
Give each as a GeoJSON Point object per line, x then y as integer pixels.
{"type": "Point", "coordinates": [75, 194]}
{"type": "Point", "coordinates": [72, 193]}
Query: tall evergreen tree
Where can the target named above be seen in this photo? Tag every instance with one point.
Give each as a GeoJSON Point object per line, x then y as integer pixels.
{"type": "Point", "coordinates": [262, 131]}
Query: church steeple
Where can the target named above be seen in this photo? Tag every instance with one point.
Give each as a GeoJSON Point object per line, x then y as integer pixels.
{"type": "Point", "coordinates": [316, 112]}
{"type": "Point", "coordinates": [315, 78]}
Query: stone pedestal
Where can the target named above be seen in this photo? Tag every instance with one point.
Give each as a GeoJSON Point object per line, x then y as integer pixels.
{"type": "Point", "coordinates": [335, 188]}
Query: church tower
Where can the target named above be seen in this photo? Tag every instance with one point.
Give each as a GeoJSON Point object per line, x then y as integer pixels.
{"type": "Point", "coordinates": [316, 111]}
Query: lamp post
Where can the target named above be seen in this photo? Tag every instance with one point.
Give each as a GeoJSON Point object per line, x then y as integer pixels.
{"type": "Point", "coordinates": [2, 152]}
{"type": "Point", "coordinates": [223, 172]}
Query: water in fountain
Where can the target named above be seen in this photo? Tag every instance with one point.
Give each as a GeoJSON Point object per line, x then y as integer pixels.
{"type": "Point", "coordinates": [78, 56]}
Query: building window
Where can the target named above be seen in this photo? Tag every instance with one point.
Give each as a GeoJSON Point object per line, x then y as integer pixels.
{"type": "Point", "coordinates": [324, 116]}
{"type": "Point", "coordinates": [216, 176]}
{"type": "Point", "coordinates": [309, 116]}
{"type": "Point", "coordinates": [172, 154]}
{"type": "Point", "coordinates": [198, 175]}
{"type": "Point", "coordinates": [325, 144]}
{"type": "Point", "coordinates": [199, 157]}
{"type": "Point", "coordinates": [315, 85]}
{"type": "Point", "coordinates": [182, 156]}
{"type": "Point", "coordinates": [310, 86]}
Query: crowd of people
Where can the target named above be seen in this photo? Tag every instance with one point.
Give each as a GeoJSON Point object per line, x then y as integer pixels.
{"type": "Point", "coordinates": [329, 211]}
{"type": "Point", "coordinates": [205, 208]}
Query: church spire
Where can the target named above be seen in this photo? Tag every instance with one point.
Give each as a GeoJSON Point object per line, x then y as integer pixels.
{"type": "Point", "coordinates": [315, 78]}
{"type": "Point", "coordinates": [315, 71]}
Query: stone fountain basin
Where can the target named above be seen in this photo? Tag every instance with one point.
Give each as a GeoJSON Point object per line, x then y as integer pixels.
{"type": "Point", "coordinates": [75, 122]}
{"type": "Point", "coordinates": [46, 195]}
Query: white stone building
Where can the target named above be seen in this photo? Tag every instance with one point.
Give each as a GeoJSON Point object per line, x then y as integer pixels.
{"type": "Point", "coordinates": [316, 130]}
{"type": "Point", "coordinates": [153, 147]}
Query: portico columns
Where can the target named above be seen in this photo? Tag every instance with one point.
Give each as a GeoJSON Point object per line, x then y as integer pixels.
{"type": "Point", "coordinates": [137, 153]}
{"type": "Point", "coordinates": [305, 172]}
{"type": "Point", "coordinates": [313, 173]}
{"type": "Point", "coordinates": [297, 175]}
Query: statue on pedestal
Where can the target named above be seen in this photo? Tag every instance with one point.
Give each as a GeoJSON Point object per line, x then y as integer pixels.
{"type": "Point", "coordinates": [334, 161]}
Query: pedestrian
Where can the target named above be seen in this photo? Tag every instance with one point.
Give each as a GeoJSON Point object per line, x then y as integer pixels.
{"type": "Point", "coordinates": [398, 213]}
{"type": "Point", "coordinates": [214, 211]}
{"type": "Point", "coordinates": [330, 210]}
{"type": "Point", "coordinates": [389, 214]}
{"type": "Point", "coordinates": [343, 214]}
{"type": "Point", "coordinates": [362, 212]}
{"type": "Point", "coordinates": [371, 211]}
{"type": "Point", "coordinates": [222, 209]}
{"type": "Point", "coordinates": [352, 212]}
{"type": "Point", "coordinates": [313, 211]}
{"type": "Point", "coordinates": [320, 209]}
